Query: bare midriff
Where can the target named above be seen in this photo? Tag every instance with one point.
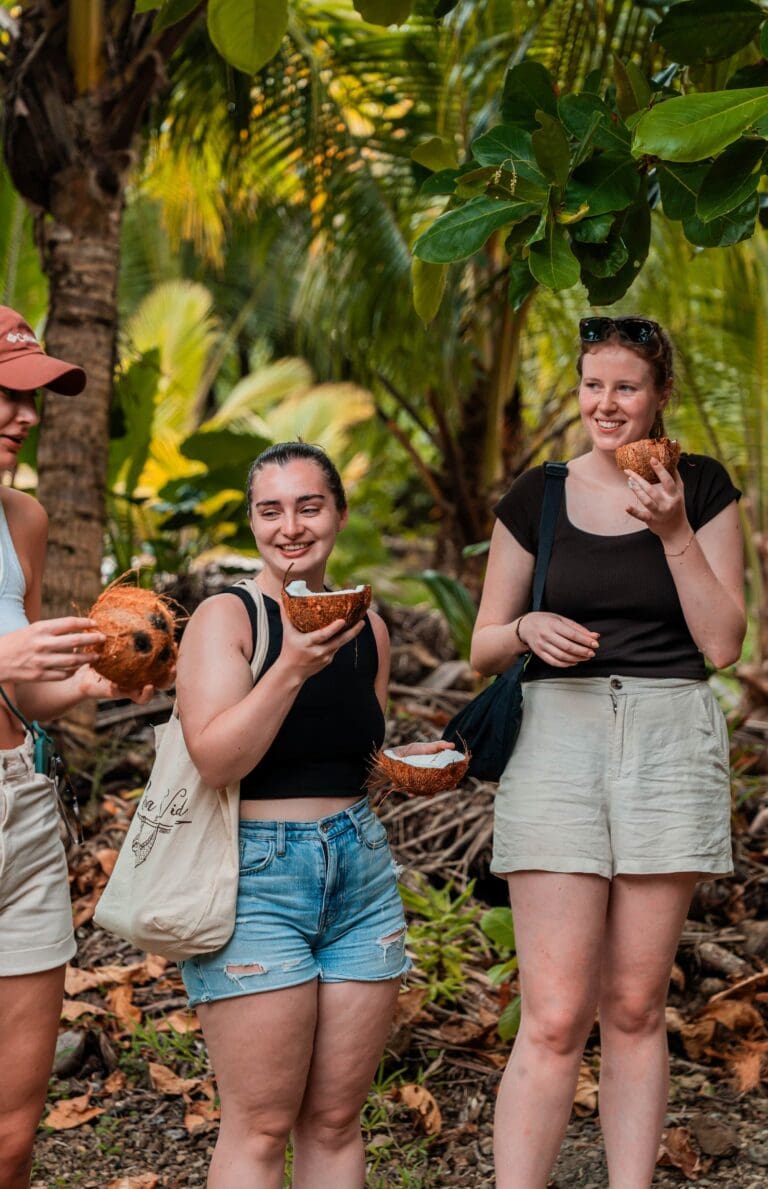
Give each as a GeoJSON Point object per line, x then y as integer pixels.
{"type": "Point", "coordinates": [295, 809]}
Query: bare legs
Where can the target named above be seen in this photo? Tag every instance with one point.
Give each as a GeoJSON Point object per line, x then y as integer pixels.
{"type": "Point", "coordinates": [30, 1007]}
{"type": "Point", "coordinates": [583, 941]}
{"type": "Point", "coordinates": [295, 1061]}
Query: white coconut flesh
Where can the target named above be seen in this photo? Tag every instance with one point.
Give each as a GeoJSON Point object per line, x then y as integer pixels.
{"type": "Point", "coordinates": [298, 589]}
{"type": "Point", "coordinates": [436, 759]}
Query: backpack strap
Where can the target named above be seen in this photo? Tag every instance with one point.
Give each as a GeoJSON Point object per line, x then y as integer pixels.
{"type": "Point", "coordinates": [554, 487]}
{"type": "Point", "coordinates": [249, 593]}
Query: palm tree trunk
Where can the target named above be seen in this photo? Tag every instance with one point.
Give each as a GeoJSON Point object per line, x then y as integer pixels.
{"type": "Point", "coordinates": [81, 259]}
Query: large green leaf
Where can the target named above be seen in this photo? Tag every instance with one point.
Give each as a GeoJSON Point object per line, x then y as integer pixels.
{"type": "Point", "coordinates": [550, 145]}
{"type": "Point", "coordinates": [737, 225]}
{"type": "Point", "coordinates": [506, 143]}
{"type": "Point", "coordinates": [458, 233]}
{"type": "Point", "coordinates": [679, 185]}
{"type": "Point", "coordinates": [603, 260]}
{"type": "Point", "coordinates": [171, 12]}
{"type": "Point", "coordinates": [247, 33]}
{"type": "Point", "coordinates": [551, 260]}
{"type": "Point", "coordinates": [692, 127]}
{"type": "Point", "coordinates": [588, 118]}
{"type": "Point", "coordinates": [384, 12]}
{"type": "Point", "coordinates": [593, 231]}
{"type": "Point", "coordinates": [528, 88]}
{"type": "Point", "coordinates": [634, 226]}
{"type": "Point", "coordinates": [217, 446]}
{"type": "Point", "coordinates": [605, 183]}
{"type": "Point", "coordinates": [428, 288]}
{"type": "Point", "coordinates": [521, 283]}
{"type": "Point", "coordinates": [632, 90]}
{"type": "Point", "coordinates": [708, 30]}
{"type": "Point", "coordinates": [731, 179]}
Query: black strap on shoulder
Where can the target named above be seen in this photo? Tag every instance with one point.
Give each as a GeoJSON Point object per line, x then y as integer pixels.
{"type": "Point", "coordinates": [250, 607]}
{"type": "Point", "coordinates": [554, 486]}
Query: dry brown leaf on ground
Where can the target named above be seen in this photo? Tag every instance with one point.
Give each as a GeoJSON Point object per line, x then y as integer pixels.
{"type": "Point", "coordinates": [120, 1000]}
{"type": "Point", "coordinates": [409, 1006]}
{"type": "Point", "coordinates": [79, 978]}
{"type": "Point", "coordinates": [85, 906]}
{"type": "Point", "coordinates": [677, 977]}
{"type": "Point", "coordinates": [106, 858]}
{"type": "Point", "coordinates": [676, 1149]}
{"type": "Point", "coordinates": [746, 1066]}
{"type": "Point", "coordinates": [167, 1082]}
{"type": "Point", "coordinates": [419, 1099]}
{"type": "Point", "coordinates": [72, 1112]}
{"type": "Point", "coordinates": [735, 1014]}
{"type": "Point", "coordinates": [585, 1098]}
{"type": "Point", "coordinates": [463, 1031]}
{"type": "Point", "coordinates": [696, 1037]}
{"type": "Point", "coordinates": [201, 1114]}
{"type": "Point", "coordinates": [144, 1180]}
{"type": "Point", "coordinates": [115, 1081]}
{"type": "Point", "coordinates": [184, 1020]}
{"type": "Point", "coordinates": [73, 1009]}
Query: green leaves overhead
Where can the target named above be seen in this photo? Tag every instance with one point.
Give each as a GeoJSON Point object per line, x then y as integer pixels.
{"type": "Point", "coordinates": [551, 149]}
{"type": "Point", "coordinates": [632, 90]}
{"type": "Point", "coordinates": [551, 260]}
{"type": "Point", "coordinates": [708, 30]}
{"type": "Point", "coordinates": [436, 153]}
{"type": "Point", "coordinates": [528, 88]}
{"type": "Point", "coordinates": [459, 233]}
{"type": "Point", "coordinates": [605, 184]}
{"type": "Point", "coordinates": [428, 287]}
{"type": "Point", "coordinates": [384, 12]}
{"type": "Point", "coordinates": [247, 33]}
{"type": "Point", "coordinates": [731, 179]}
{"type": "Point", "coordinates": [692, 127]}
{"type": "Point", "coordinates": [506, 143]}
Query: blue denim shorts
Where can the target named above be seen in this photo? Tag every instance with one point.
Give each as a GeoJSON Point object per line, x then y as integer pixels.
{"type": "Point", "coordinates": [315, 900]}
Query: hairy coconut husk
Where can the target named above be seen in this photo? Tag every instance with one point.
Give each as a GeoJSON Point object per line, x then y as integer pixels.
{"type": "Point", "coordinates": [140, 648]}
{"type": "Point", "coordinates": [309, 612]}
{"type": "Point", "coordinates": [636, 456]}
{"type": "Point", "coordinates": [418, 775]}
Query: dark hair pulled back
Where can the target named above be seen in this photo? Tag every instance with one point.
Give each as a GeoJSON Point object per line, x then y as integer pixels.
{"type": "Point", "coordinates": [658, 352]}
{"type": "Point", "coordinates": [298, 451]}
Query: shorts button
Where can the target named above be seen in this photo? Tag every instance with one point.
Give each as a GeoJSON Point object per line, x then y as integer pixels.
{"type": "Point", "coordinates": [325, 827]}
{"type": "Point", "coordinates": [615, 683]}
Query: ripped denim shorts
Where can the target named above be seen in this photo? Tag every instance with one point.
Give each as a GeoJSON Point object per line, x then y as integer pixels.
{"type": "Point", "coordinates": [315, 900]}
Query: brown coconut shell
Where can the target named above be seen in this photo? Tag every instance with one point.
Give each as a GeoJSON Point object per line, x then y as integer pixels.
{"type": "Point", "coordinates": [140, 646]}
{"type": "Point", "coordinates": [388, 774]}
{"type": "Point", "coordinates": [636, 456]}
{"type": "Point", "coordinates": [309, 613]}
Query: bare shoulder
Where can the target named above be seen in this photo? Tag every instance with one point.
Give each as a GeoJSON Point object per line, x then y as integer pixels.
{"type": "Point", "coordinates": [380, 631]}
{"type": "Point", "coordinates": [27, 518]}
{"type": "Point", "coordinates": [220, 618]}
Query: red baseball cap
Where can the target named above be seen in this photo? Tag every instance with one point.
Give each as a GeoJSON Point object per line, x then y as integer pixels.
{"type": "Point", "coordinates": [24, 364]}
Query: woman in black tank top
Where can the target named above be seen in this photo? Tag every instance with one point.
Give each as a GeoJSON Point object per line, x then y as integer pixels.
{"type": "Point", "coordinates": [297, 1006]}
{"type": "Point", "coordinates": [616, 798]}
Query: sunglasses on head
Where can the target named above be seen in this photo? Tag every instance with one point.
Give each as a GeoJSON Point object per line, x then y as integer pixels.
{"type": "Point", "coordinates": [634, 330]}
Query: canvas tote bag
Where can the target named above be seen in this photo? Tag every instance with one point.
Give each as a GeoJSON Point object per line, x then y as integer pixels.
{"type": "Point", "coordinates": [173, 890]}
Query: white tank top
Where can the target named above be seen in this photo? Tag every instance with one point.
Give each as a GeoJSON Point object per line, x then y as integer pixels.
{"type": "Point", "coordinates": [12, 584]}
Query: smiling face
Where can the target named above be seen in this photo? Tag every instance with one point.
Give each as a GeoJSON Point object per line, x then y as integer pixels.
{"type": "Point", "coordinates": [618, 397]}
{"type": "Point", "coordinates": [295, 520]}
{"type": "Point", "coordinates": [17, 416]}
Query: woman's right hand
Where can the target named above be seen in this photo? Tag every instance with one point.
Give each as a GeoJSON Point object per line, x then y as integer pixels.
{"type": "Point", "coordinates": [49, 650]}
{"type": "Point", "coordinates": [306, 653]}
{"type": "Point", "coordinates": [556, 640]}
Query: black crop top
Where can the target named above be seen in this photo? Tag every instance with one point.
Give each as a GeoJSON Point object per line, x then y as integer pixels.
{"type": "Point", "coordinates": [618, 585]}
{"type": "Point", "coordinates": [332, 729]}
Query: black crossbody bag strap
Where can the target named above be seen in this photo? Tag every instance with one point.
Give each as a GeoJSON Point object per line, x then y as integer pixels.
{"type": "Point", "coordinates": [554, 487]}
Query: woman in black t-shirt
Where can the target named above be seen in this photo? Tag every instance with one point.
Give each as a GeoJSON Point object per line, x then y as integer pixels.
{"type": "Point", "coordinates": [616, 799]}
{"type": "Point", "coordinates": [297, 1006]}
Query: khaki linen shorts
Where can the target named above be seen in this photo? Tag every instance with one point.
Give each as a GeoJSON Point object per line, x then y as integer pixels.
{"type": "Point", "coordinates": [35, 912]}
{"type": "Point", "coordinates": [616, 776]}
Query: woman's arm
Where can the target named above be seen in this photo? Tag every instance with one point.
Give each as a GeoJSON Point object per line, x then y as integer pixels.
{"type": "Point", "coordinates": [504, 630]}
{"type": "Point", "coordinates": [381, 636]}
{"type": "Point", "coordinates": [707, 566]}
{"type": "Point", "coordinates": [228, 722]}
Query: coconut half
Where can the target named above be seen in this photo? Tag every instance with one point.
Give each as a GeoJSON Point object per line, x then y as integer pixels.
{"type": "Point", "coordinates": [140, 646]}
{"type": "Point", "coordinates": [309, 610]}
{"type": "Point", "coordinates": [636, 456]}
{"type": "Point", "coordinates": [418, 775]}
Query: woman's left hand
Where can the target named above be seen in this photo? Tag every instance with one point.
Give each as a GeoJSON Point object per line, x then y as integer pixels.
{"type": "Point", "coordinates": [660, 506]}
{"type": "Point", "coordinates": [423, 749]}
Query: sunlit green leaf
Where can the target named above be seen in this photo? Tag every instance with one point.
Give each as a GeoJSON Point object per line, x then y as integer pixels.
{"type": "Point", "coordinates": [384, 12]}
{"type": "Point", "coordinates": [509, 1020]}
{"type": "Point", "coordinates": [707, 30]}
{"type": "Point", "coordinates": [247, 33]}
{"type": "Point", "coordinates": [458, 233]}
{"type": "Point", "coordinates": [497, 924]}
{"type": "Point", "coordinates": [692, 127]}
{"type": "Point", "coordinates": [171, 12]}
{"type": "Point", "coordinates": [428, 288]}
{"type": "Point", "coordinates": [436, 153]}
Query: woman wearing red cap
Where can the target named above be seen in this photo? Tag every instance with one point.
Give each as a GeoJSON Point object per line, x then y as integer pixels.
{"type": "Point", "coordinates": [43, 671]}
